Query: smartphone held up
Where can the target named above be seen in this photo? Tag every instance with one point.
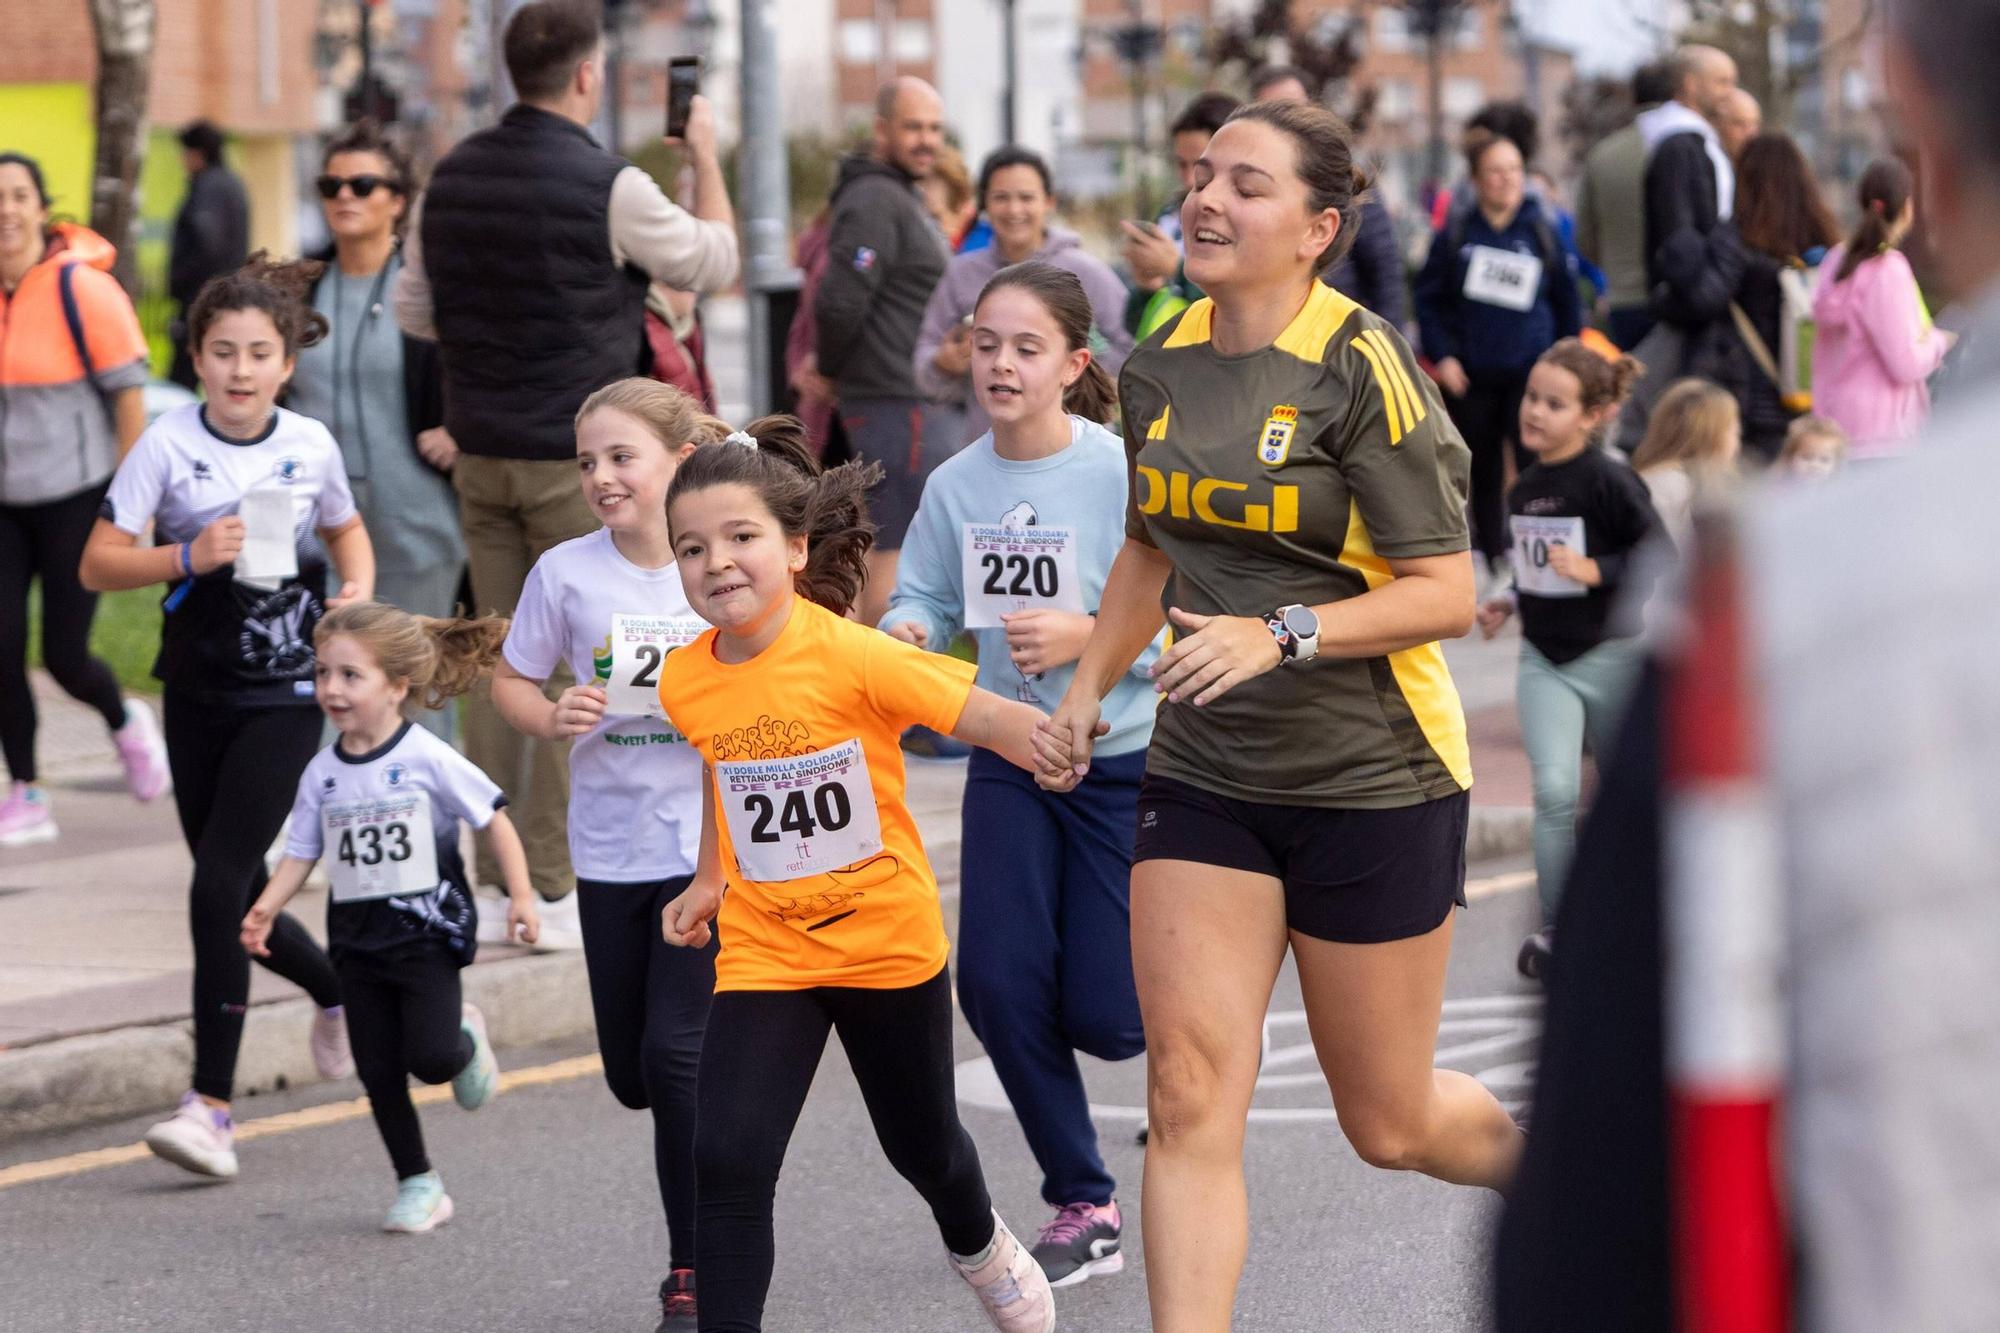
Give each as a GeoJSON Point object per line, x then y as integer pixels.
{"type": "Point", "coordinates": [683, 82]}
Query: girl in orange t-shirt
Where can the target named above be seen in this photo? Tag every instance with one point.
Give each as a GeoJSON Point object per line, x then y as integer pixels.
{"type": "Point", "coordinates": [828, 910]}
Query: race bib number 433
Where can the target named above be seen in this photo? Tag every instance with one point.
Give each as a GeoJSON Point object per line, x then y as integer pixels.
{"type": "Point", "coordinates": [639, 644]}
{"type": "Point", "coordinates": [380, 848]}
{"type": "Point", "coordinates": [802, 816]}
{"type": "Point", "coordinates": [1018, 569]}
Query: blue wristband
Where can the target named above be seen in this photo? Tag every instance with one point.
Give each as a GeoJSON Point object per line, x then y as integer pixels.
{"type": "Point", "coordinates": [187, 558]}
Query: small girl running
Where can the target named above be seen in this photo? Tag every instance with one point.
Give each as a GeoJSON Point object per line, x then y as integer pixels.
{"type": "Point", "coordinates": [1013, 539]}
{"type": "Point", "coordinates": [831, 919]}
{"type": "Point", "coordinates": [609, 606]}
{"type": "Point", "coordinates": [1577, 518]}
{"type": "Point", "coordinates": [1815, 449]}
{"type": "Point", "coordinates": [384, 802]}
{"type": "Point", "coordinates": [1693, 441]}
{"type": "Point", "coordinates": [248, 503]}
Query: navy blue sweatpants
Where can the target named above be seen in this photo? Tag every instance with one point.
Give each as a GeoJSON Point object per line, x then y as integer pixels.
{"type": "Point", "coordinates": [1045, 950]}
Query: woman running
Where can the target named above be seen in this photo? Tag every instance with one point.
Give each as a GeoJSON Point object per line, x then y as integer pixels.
{"type": "Point", "coordinates": [1297, 505]}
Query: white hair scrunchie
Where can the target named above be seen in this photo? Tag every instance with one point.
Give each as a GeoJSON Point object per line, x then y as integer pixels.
{"type": "Point", "coordinates": [744, 438]}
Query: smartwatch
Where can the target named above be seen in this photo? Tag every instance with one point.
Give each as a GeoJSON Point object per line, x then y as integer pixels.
{"type": "Point", "coordinates": [1296, 628]}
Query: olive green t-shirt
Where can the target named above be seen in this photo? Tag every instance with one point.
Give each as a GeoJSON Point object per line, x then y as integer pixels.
{"type": "Point", "coordinates": [1294, 474]}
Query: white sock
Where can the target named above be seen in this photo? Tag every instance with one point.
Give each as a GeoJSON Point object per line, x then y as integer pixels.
{"type": "Point", "coordinates": [974, 1260]}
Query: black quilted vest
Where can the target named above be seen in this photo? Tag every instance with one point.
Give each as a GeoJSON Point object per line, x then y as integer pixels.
{"type": "Point", "coordinates": [532, 313]}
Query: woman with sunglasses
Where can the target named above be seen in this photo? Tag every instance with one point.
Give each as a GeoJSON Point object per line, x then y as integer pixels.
{"type": "Point", "coordinates": [378, 391]}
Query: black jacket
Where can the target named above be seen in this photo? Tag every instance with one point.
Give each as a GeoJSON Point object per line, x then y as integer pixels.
{"type": "Point", "coordinates": [211, 232]}
{"type": "Point", "coordinates": [884, 255]}
{"type": "Point", "coordinates": [1372, 273]}
{"type": "Point", "coordinates": [533, 313]}
{"type": "Point", "coordinates": [1693, 258]}
{"type": "Point", "coordinates": [1765, 416]}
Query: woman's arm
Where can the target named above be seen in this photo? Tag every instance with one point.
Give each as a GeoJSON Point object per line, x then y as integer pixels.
{"type": "Point", "coordinates": [1128, 616]}
{"type": "Point", "coordinates": [1893, 321]}
{"type": "Point", "coordinates": [354, 556]}
{"type": "Point", "coordinates": [941, 325]}
{"type": "Point", "coordinates": [1427, 599]}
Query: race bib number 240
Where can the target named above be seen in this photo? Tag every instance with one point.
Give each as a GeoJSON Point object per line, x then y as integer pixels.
{"type": "Point", "coordinates": [800, 816]}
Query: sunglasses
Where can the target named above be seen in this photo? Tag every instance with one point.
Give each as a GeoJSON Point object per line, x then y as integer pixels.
{"type": "Point", "coordinates": [363, 186]}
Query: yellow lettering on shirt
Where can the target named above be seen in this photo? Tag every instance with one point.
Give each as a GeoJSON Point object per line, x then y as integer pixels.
{"type": "Point", "coordinates": [1181, 496]}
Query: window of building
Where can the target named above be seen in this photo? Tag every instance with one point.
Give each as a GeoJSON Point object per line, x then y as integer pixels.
{"type": "Point", "coordinates": [1462, 97]}
{"type": "Point", "coordinates": [857, 41]}
{"type": "Point", "coordinates": [1395, 101]}
{"type": "Point", "coordinates": [1392, 30]}
{"type": "Point", "coordinates": [910, 39]}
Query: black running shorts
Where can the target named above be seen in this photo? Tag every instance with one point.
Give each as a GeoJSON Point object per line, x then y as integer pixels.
{"type": "Point", "coordinates": [1350, 876]}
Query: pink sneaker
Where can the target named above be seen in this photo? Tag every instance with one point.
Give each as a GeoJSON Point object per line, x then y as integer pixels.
{"type": "Point", "coordinates": [142, 752]}
{"type": "Point", "coordinates": [1081, 1241]}
{"type": "Point", "coordinates": [1010, 1285]}
{"type": "Point", "coordinates": [332, 1056]}
{"type": "Point", "coordinates": [25, 817]}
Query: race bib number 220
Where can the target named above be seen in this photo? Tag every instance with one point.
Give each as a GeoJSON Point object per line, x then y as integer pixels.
{"type": "Point", "coordinates": [1008, 569]}
{"type": "Point", "coordinates": [800, 816]}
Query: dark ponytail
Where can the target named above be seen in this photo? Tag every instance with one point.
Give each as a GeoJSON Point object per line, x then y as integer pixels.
{"type": "Point", "coordinates": [282, 291]}
{"type": "Point", "coordinates": [1886, 188]}
{"type": "Point", "coordinates": [1094, 396]}
{"type": "Point", "coordinates": [828, 507]}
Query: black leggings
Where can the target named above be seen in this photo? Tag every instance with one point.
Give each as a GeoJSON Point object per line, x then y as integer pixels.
{"type": "Point", "coordinates": [47, 540]}
{"type": "Point", "coordinates": [236, 771]}
{"type": "Point", "coordinates": [757, 1064]}
{"type": "Point", "coordinates": [651, 1002]}
{"type": "Point", "coordinates": [1489, 417]}
{"type": "Point", "coordinates": [403, 1018]}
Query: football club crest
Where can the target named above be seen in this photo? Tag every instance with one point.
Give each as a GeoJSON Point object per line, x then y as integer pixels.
{"type": "Point", "coordinates": [1276, 441]}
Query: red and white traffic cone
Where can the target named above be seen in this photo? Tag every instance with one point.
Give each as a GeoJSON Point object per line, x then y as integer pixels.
{"type": "Point", "coordinates": [1724, 922]}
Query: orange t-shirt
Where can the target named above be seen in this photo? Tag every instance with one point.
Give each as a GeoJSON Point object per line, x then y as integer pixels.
{"type": "Point", "coordinates": [788, 736]}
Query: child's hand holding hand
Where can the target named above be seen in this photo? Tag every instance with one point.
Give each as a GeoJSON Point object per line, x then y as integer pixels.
{"type": "Point", "coordinates": [685, 920]}
{"type": "Point", "coordinates": [257, 930]}
{"type": "Point", "coordinates": [579, 708]}
{"type": "Point", "coordinates": [1493, 614]}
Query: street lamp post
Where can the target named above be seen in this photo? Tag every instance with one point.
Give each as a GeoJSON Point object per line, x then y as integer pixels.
{"type": "Point", "coordinates": [1010, 89]}
{"type": "Point", "coordinates": [1433, 21]}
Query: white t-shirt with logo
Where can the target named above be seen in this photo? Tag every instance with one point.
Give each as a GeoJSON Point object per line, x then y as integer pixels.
{"type": "Point", "coordinates": [239, 633]}
{"type": "Point", "coordinates": [384, 825]}
{"type": "Point", "coordinates": [635, 783]}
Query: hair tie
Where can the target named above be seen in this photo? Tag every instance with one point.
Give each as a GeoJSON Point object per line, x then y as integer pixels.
{"type": "Point", "coordinates": [742, 437]}
{"type": "Point", "coordinates": [1877, 207]}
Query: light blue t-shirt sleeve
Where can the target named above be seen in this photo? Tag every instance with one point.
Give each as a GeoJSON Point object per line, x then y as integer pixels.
{"type": "Point", "coordinates": [928, 588]}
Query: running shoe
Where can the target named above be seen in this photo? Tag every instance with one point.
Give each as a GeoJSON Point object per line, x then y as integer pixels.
{"type": "Point", "coordinates": [197, 1137]}
{"type": "Point", "coordinates": [562, 928]}
{"type": "Point", "coordinates": [332, 1056]}
{"type": "Point", "coordinates": [1536, 950]}
{"type": "Point", "coordinates": [1010, 1285]}
{"type": "Point", "coordinates": [25, 817]}
{"type": "Point", "coordinates": [1079, 1242]}
{"type": "Point", "coordinates": [421, 1205]}
{"type": "Point", "coordinates": [677, 1309]}
{"type": "Point", "coordinates": [142, 752]}
{"type": "Point", "coordinates": [472, 1087]}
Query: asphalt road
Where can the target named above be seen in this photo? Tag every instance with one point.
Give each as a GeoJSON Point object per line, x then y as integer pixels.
{"type": "Point", "coordinates": [558, 1225]}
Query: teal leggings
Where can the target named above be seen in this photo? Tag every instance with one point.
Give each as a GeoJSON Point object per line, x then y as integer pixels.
{"type": "Point", "coordinates": [1559, 705]}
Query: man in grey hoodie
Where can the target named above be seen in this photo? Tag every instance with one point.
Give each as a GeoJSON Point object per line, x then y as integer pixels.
{"type": "Point", "coordinates": [884, 257]}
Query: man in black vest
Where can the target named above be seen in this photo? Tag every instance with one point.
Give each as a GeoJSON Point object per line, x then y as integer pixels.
{"type": "Point", "coordinates": [528, 261]}
{"type": "Point", "coordinates": [211, 234]}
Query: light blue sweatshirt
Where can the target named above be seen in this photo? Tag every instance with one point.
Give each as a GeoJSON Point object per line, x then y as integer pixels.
{"type": "Point", "coordinates": [1082, 488]}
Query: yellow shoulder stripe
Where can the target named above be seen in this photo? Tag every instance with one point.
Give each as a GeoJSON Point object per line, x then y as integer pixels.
{"type": "Point", "coordinates": [1193, 328]}
{"type": "Point", "coordinates": [1392, 404]}
{"type": "Point", "coordinates": [1413, 401]}
{"type": "Point", "coordinates": [1312, 330]}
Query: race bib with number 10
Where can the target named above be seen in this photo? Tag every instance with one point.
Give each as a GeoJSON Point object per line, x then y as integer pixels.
{"type": "Point", "coordinates": [800, 816]}
{"type": "Point", "coordinates": [379, 848]}
{"type": "Point", "coordinates": [1533, 537]}
{"type": "Point", "coordinates": [639, 644]}
{"type": "Point", "coordinates": [1018, 569]}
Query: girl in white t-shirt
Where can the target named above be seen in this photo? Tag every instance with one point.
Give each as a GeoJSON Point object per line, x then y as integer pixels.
{"type": "Point", "coordinates": [249, 506]}
{"type": "Point", "coordinates": [609, 606]}
{"type": "Point", "coordinates": [383, 804]}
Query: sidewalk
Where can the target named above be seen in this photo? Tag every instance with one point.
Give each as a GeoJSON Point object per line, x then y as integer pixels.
{"type": "Point", "coordinates": [95, 965]}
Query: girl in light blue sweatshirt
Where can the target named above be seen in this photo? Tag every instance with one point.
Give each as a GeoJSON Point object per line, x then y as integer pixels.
{"type": "Point", "coordinates": [1013, 540]}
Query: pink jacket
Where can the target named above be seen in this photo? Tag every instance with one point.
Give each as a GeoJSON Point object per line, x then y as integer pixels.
{"type": "Point", "coordinates": [1872, 353]}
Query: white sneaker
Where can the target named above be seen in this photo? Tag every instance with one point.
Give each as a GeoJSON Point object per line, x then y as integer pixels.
{"type": "Point", "coordinates": [197, 1137]}
{"type": "Point", "coordinates": [421, 1205]}
{"type": "Point", "coordinates": [142, 752]}
{"type": "Point", "coordinates": [332, 1056]}
{"type": "Point", "coordinates": [1011, 1285]}
{"type": "Point", "coordinates": [562, 926]}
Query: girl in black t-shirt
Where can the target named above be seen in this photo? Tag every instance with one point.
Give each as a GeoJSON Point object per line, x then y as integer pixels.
{"type": "Point", "coordinates": [1576, 520]}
